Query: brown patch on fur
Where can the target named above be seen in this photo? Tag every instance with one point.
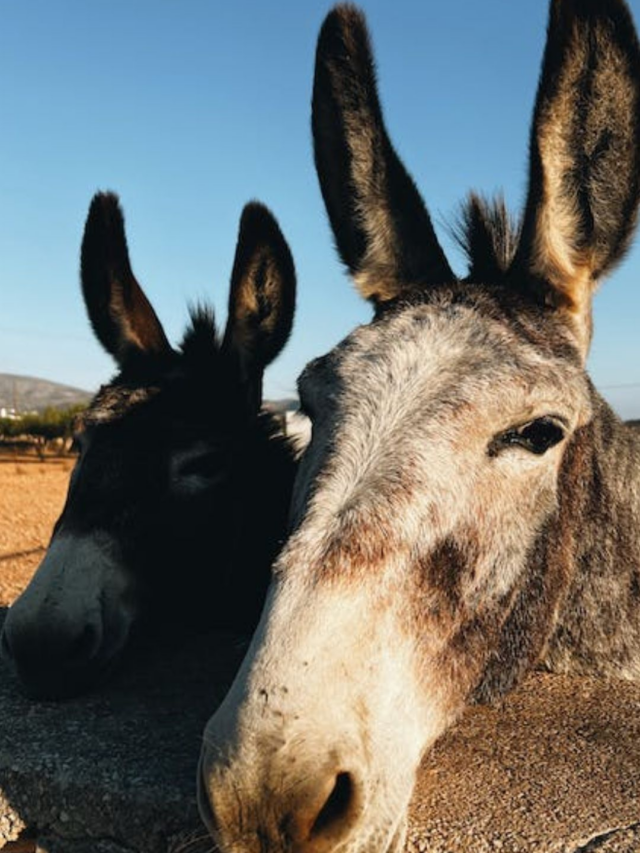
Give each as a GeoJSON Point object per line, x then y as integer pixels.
{"type": "Point", "coordinates": [361, 547]}
{"type": "Point", "coordinates": [459, 665]}
{"type": "Point", "coordinates": [456, 640]}
{"type": "Point", "coordinates": [489, 650]}
{"type": "Point", "coordinates": [444, 572]}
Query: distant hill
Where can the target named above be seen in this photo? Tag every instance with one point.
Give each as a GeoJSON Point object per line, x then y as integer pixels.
{"type": "Point", "coordinates": [28, 394]}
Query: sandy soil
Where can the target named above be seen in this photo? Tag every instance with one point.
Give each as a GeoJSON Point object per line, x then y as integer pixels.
{"type": "Point", "coordinates": [32, 494]}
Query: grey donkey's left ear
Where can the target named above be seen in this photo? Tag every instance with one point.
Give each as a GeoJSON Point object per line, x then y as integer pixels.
{"type": "Point", "coordinates": [584, 178]}
{"type": "Point", "coordinates": [382, 229]}
{"type": "Point", "coordinates": [262, 296]}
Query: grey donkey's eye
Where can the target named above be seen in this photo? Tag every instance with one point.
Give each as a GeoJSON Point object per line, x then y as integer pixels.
{"type": "Point", "coordinates": [536, 436]}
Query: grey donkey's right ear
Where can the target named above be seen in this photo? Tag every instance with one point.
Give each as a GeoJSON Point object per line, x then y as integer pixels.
{"type": "Point", "coordinates": [121, 315]}
{"type": "Point", "coordinates": [263, 293]}
{"type": "Point", "coordinates": [382, 229]}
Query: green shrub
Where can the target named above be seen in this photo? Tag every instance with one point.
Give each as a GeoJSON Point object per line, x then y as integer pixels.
{"type": "Point", "coordinates": [48, 424]}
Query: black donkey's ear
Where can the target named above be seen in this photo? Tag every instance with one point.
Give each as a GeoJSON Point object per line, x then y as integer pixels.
{"type": "Point", "coordinates": [121, 315]}
{"type": "Point", "coordinates": [263, 293]}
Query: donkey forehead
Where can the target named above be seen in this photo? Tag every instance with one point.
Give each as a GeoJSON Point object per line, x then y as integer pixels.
{"type": "Point", "coordinates": [170, 394]}
{"type": "Point", "coordinates": [447, 356]}
{"type": "Point", "coordinates": [113, 402]}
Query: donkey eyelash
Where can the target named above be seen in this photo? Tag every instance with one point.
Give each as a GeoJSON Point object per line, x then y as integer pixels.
{"type": "Point", "coordinates": [205, 465]}
{"type": "Point", "coordinates": [536, 436]}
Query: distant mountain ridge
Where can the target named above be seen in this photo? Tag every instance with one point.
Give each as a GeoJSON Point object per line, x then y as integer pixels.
{"type": "Point", "coordinates": [28, 394]}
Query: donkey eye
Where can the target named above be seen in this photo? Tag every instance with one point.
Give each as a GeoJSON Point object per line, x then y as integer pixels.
{"type": "Point", "coordinates": [199, 470]}
{"type": "Point", "coordinates": [208, 465]}
{"type": "Point", "coordinates": [537, 437]}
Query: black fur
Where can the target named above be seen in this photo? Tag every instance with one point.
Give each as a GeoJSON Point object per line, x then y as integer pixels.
{"type": "Point", "coordinates": [181, 479]}
{"type": "Point", "coordinates": [121, 316]}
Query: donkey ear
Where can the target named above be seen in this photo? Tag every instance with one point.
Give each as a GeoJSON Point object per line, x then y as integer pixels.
{"type": "Point", "coordinates": [584, 180]}
{"type": "Point", "coordinates": [121, 316]}
{"type": "Point", "coordinates": [262, 296]}
{"type": "Point", "coordinates": [382, 229]}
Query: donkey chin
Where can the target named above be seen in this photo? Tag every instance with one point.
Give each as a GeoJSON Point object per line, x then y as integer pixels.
{"type": "Point", "coordinates": [283, 768]}
{"type": "Point", "coordinates": [60, 644]}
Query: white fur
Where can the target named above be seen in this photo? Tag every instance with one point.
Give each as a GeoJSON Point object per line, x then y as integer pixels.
{"type": "Point", "coordinates": [78, 584]}
{"type": "Point", "coordinates": [344, 662]}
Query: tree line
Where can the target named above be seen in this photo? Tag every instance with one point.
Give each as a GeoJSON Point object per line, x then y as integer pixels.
{"type": "Point", "coordinates": [47, 424]}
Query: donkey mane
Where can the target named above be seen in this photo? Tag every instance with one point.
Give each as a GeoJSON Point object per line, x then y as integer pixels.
{"type": "Point", "coordinates": [488, 235]}
{"type": "Point", "coordinates": [201, 340]}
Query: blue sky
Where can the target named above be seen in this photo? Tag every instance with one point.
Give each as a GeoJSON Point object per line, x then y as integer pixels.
{"type": "Point", "coordinates": [189, 108]}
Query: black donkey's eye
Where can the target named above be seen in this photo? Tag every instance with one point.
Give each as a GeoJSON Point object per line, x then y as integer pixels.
{"type": "Point", "coordinates": [197, 469]}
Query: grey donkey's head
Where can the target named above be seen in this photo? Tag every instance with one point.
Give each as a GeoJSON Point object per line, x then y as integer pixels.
{"type": "Point", "coordinates": [425, 563]}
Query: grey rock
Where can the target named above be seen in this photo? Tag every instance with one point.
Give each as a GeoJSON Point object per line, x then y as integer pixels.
{"type": "Point", "coordinates": [554, 769]}
{"type": "Point", "coordinates": [116, 766]}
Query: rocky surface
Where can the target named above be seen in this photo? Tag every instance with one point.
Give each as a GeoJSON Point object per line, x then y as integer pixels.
{"type": "Point", "coordinates": [116, 767]}
{"type": "Point", "coordinates": [556, 769]}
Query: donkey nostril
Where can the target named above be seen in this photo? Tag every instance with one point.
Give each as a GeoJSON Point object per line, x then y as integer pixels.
{"type": "Point", "coordinates": [338, 810]}
{"type": "Point", "coordinates": [82, 647]}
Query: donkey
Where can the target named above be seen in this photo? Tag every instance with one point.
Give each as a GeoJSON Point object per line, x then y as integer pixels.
{"type": "Point", "coordinates": [179, 498]}
{"type": "Point", "coordinates": [469, 506]}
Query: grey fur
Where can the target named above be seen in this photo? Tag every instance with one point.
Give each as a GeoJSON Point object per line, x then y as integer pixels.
{"type": "Point", "coordinates": [469, 506]}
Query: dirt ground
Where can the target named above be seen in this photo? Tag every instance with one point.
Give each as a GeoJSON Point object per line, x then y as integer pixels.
{"type": "Point", "coordinates": [32, 494]}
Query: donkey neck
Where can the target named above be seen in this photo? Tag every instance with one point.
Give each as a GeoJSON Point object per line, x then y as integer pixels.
{"type": "Point", "coordinates": [261, 496]}
{"type": "Point", "coordinates": [597, 628]}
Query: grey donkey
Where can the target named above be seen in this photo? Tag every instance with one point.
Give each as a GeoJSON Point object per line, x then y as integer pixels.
{"type": "Point", "coordinates": [469, 506]}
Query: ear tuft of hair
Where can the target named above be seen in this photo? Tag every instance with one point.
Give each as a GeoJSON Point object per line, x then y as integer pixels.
{"type": "Point", "coordinates": [201, 342]}
{"type": "Point", "coordinates": [488, 235]}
